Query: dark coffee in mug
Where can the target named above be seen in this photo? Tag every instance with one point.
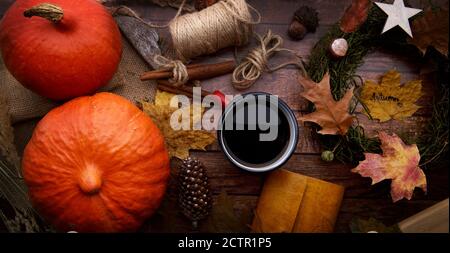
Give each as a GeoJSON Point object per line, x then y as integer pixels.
{"type": "Point", "coordinates": [252, 119]}
{"type": "Point", "coordinates": [246, 146]}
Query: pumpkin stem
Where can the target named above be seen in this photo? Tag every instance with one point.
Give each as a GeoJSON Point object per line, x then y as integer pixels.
{"type": "Point", "coordinates": [90, 180]}
{"type": "Point", "coordinates": [48, 11]}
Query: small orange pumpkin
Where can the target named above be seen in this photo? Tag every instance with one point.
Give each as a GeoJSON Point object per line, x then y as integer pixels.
{"type": "Point", "coordinates": [96, 164]}
{"type": "Point", "coordinates": [62, 49]}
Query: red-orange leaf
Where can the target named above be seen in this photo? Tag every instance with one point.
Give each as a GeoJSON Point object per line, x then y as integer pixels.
{"type": "Point", "coordinates": [431, 29]}
{"type": "Point", "coordinates": [355, 15]}
{"type": "Point", "coordinates": [399, 162]}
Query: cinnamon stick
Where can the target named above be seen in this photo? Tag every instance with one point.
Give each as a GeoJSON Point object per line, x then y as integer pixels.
{"type": "Point", "coordinates": [189, 66]}
{"type": "Point", "coordinates": [181, 90]}
{"type": "Point", "coordinates": [195, 71]}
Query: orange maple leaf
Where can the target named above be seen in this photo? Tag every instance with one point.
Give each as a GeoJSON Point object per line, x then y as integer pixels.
{"type": "Point", "coordinates": [331, 115]}
{"type": "Point", "coordinates": [399, 162]}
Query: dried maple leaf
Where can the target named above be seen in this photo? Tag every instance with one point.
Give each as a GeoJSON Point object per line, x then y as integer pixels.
{"type": "Point", "coordinates": [223, 218]}
{"type": "Point", "coordinates": [331, 115]}
{"type": "Point", "coordinates": [399, 162]}
{"type": "Point", "coordinates": [178, 142]}
{"type": "Point", "coordinates": [431, 29]}
{"type": "Point", "coordinates": [390, 100]}
{"type": "Point", "coordinates": [163, 98]}
{"type": "Point", "coordinates": [355, 15]}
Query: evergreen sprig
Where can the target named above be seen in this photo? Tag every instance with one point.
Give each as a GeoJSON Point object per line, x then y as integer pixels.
{"type": "Point", "coordinates": [350, 148]}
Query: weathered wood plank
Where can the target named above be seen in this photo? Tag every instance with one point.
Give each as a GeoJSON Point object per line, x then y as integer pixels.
{"type": "Point", "coordinates": [284, 84]}
{"type": "Point", "coordinates": [409, 129]}
{"type": "Point", "coordinates": [225, 176]}
{"type": "Point", "coordinates": [380, 209]}
{"type": "Point", "coordinates": [273, 12]}
{"type": "Point", "coordinates": [283, 15]}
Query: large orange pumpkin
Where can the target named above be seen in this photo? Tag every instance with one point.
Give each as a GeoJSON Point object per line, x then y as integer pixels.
{"type": "Point", "coordinates": [96, 164]}
{"type": "Point", "coordinates": [63, 50]}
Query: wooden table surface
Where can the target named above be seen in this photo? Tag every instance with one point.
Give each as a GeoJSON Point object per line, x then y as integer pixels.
{"type": "Point", "coordinates": [361, 200]}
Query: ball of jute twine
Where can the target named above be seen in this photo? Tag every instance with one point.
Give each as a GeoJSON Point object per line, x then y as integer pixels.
{"type": "Point", "coordinates": [223, 24]}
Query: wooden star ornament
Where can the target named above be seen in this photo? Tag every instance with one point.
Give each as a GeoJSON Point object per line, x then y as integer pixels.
{"type": "Point", "coordinates": [398, 15]}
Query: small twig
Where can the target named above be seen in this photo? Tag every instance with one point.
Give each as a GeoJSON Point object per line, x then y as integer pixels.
{"type": "Point", "coordinates": [436, 155]}
{"type": "Point", "coordinates": [337, 145]}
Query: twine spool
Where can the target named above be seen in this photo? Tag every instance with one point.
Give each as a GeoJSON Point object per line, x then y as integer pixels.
{"type": "Point", "coordinates": [223, 24]}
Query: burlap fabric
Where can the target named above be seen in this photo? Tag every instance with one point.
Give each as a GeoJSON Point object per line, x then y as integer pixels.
{"type": "Point", "coordinates": [24, 104]}
{"type": "Point", "coordinates": [7, 149]}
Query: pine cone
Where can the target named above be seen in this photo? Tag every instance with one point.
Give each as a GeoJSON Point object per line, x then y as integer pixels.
{"type": "Point", "coordinates": [194, 196]}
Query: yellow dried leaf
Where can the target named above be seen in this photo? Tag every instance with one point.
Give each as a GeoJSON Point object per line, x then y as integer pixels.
{"type": "Point", "coordinates": [389, 99]}
{"type": "Point", "coordinates": [163, 98]}
{"type": "Point", "coordinates": [178, 142]}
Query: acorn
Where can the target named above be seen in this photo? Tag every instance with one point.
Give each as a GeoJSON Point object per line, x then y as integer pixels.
{"type": "Point", "coordinates": [327, 156]}
{"type": "Point", "coordinates": [296, 31]}
{"type": "Point", "coordinates": [305, 20]}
